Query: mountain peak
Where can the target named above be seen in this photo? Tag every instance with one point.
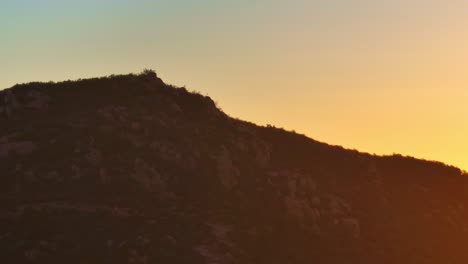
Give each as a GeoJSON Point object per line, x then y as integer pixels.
{"type": "Point", "coordinates": [37, 96]}
{"type": "Point", "coordinates": [128, 169]}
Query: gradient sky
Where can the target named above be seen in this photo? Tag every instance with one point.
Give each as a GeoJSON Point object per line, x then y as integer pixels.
{"type": "Point", "coordinates": [380, 76]}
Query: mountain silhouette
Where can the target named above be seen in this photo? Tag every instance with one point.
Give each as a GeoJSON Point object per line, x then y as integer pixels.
{"type": "Point", "coordinates": [128, 169]}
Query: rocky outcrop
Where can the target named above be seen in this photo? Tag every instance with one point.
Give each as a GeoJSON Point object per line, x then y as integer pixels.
{"type": "Point", "coordinates": [37, 100]}
{"type": "Point", "coordinates": [262, 153]}
{"type": "Point", "coordinates": [147, 176]}
{"type": "Point", "coordinates": [21, 148]}
{"type": "Point", "coordinates": [228, 174]}
{"type": "Point", "coordinates": [10, 103]}
{"type": "Point", "coordinates": [166, 150]}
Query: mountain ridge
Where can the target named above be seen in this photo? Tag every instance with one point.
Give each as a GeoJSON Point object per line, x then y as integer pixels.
{"type": "Point", "coordinates": [128, 169]}
{"type": "Point", "coordinates": [151, 74]}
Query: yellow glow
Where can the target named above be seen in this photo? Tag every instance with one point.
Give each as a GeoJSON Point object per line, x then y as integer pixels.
{"type": "Point", "coordinates": [379, 76]}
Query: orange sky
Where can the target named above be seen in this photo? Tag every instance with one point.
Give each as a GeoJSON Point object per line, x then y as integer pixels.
{"type": "Point", "coordinates": [379, 76]}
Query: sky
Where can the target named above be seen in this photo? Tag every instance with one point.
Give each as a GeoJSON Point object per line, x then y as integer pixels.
{"type": "Point", "coordinates": [379, 76]}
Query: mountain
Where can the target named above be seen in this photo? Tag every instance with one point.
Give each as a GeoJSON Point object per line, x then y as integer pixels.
{"type": "Point", "coordinates": [128, 169]}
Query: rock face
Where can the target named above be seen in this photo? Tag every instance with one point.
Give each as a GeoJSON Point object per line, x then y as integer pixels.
{"type": "Point", "coordinates": [228, 174]}
{"type": "Point", "coordinates": [127, 169]}
{"type": "Point", "coordinates": [10, 103]}
{"type": "Point", "coordinates": [16, 148]}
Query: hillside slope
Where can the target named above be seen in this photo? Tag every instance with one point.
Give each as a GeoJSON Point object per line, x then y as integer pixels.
{"type": "Point", "coordinates": [128, 169]}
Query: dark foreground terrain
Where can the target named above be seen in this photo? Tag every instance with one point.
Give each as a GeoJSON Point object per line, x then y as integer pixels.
{"type": "Point", "coordinates": [128, 169]}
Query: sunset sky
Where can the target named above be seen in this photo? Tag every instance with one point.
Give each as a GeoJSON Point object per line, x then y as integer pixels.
{"type": "Point", "coordinates": [380, 76]}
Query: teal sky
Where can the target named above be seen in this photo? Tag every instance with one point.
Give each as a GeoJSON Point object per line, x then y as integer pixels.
{"type": "Point", "coordinates": [380, 76]}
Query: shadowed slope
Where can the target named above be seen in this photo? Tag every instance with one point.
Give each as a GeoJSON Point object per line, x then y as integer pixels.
{"type": "Point", "coordinates": [128, 169]}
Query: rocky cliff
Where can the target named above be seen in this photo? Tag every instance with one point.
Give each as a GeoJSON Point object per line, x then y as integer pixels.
{"type": "Point", "coordinates": [128, 169]}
